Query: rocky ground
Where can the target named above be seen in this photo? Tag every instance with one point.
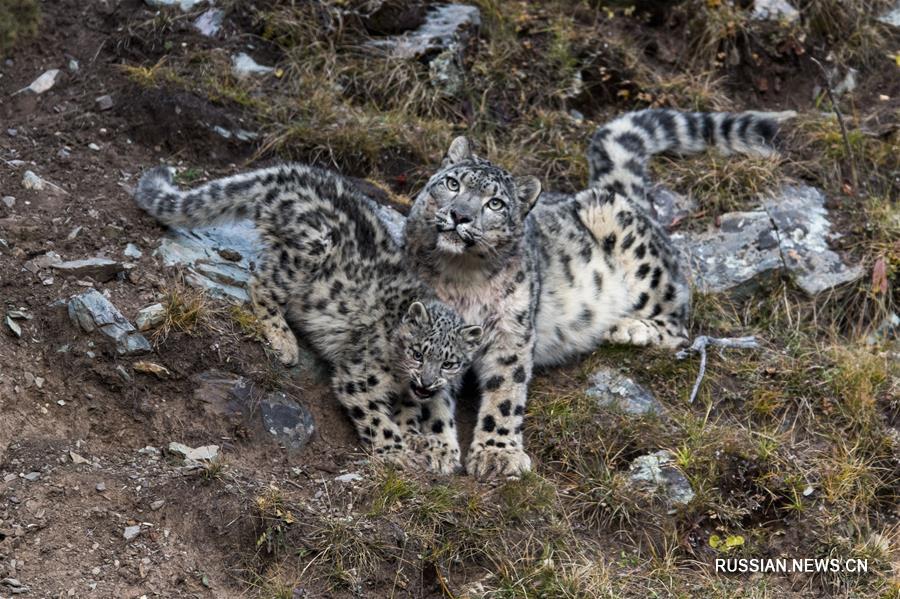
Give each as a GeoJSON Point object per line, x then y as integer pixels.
{"type": "Point", "coordinates": [150, 446]}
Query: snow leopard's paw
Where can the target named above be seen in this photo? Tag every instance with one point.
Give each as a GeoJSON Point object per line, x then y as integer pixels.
{"type": "Point", "coordinates": [402, 457]}
{"type": "Point", "coordinates": [442, 456]}
{"type": "Point", "coordinates": [489, 461]}
{"type": "Point", "coordinates": [284, 344]}
{"type": "Point", "coordinates": [634, 332]}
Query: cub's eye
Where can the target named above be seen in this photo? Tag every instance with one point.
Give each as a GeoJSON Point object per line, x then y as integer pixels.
{"type": "Point", "coordinates": [416, 354]}
{"type": "Point", "coordinates": [452, 184]}
{"type": "Point", "coordinates": [449, 365]}
{"type": "Point", "coordinates": [496, 204]}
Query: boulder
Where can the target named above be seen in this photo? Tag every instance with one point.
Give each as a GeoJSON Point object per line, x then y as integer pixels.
{"type": "Point", "coordinates": [656, 474]}
{"type": "Point", "coordinates": [446, 26]}
{"type": "Point", "coordinates": [93, 312]}
{"type": "Point", "coordinates": [99, 269]}
{"type": "Point", "coordinates": [615, 390]}
{"type": "Point", "coordinates": [788, 232]}
{"type": "Point", "coordinates": [288, 421]}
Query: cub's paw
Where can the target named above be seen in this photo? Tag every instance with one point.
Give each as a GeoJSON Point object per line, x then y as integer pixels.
{"type": "Point", "coordinates": [489, 461]}
{"type": "Point", "coordinates": [285, 346]}
{"type": "Point", "coordinates": [442, 457]}
{"type": "Point", "coordinates": [402, 457]}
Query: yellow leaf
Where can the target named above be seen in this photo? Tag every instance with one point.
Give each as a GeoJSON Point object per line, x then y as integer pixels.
{"type": "Point", "coordinates": [734, 541]}
{"type": "Point", "coordinates": [715, 541]}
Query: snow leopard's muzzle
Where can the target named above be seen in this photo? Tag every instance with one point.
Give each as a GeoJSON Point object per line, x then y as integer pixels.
{"type": "Point", "coordinates": [462, 216]}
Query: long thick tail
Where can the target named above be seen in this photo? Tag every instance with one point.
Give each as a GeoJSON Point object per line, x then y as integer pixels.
{"type": "Point", "coordinates": [227, 199]}
{"type": "Point", "coordinates": [305, 207]}
{"type": "Point", "coordinates": [619, 150]}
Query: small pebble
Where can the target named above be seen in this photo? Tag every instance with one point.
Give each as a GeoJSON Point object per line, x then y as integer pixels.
{"type": "Point", "coordinates": [94, 147]}
{"type": "Point", "coordinates": [101, 487]}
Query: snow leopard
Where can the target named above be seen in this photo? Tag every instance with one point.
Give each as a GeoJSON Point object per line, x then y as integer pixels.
{"type": "Point", "coordinates": [331, 268]}
{"type": "Point", "coordinates": [555, 277]}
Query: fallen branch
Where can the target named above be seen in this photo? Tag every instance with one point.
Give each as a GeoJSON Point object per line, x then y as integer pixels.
{"type": "Point", "coordinates": [699, 346]}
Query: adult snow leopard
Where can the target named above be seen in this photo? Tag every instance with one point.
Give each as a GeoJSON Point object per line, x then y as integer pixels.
{"type": "Point", "coordinates": [331, 267]}
{"type": "Point", "coordinates": [554, 278]}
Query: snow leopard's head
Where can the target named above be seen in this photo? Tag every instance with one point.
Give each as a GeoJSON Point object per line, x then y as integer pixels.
{"type": "Point", "coordinates": [471, 207]}
{"type": "Point", "coordinates": [436, 347]}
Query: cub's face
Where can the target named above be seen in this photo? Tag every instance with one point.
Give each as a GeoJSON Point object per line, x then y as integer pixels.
{"type": "Point", "coordinates": [436, 348]}
{"type": "Point", "coordinates": [473, 206]}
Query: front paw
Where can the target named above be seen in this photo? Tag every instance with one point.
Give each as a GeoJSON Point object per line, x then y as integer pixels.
{"type": "Point", "coordinates": [285, 346]}
{"type": "Point", "coordinates": [442, 457]}
{"type": "Point", "coordinates": [489, 461]}
{"type": "Point", "coordinates": [403, 457]}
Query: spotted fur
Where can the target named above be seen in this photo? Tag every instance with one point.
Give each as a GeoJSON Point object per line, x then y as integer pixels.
{"type": "Point", "coordinates": [555, 278]}
{"type": "Point", "coordinates": [331, 268]}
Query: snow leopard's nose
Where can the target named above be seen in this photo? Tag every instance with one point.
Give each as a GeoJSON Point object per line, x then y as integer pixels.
{"type": "Point", "coordinates": [460, 218]}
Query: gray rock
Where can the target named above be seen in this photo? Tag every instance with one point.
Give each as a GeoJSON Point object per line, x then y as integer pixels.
{"type": "Point", "coordinates": [132, 532]}
{"type": "Point", "coordinates": [14, 585]}
{"type": "Point", "coordinates": [892, 17]}
{"type": "Point", "coordinates": [446, 73]}
{"type": "Point", "coordinates": [446, 26]}
{"type": "Point", "coordinates": [670, 207]}
{"type": "Point", "coordinates": [73, 66]}
{"type": "Point", "coordinates": [99, 269]}
{"type": "Point", "coordinates": [656, 474]}
{"type": "Point", "coordinates": [35, 265]}
{"type": "Point", "coordinates": [206, 453]}
{"type": "Point", "coordinates": [12, 132]}
{"type": "Point", "coordinates": [615, 390]}
{"type": "Point", "coordinates": [101, 487]}
{"type": "Point", "coordinates": [350, 477]}
{"type": "Point", "coordinates": [32, 476]}
{"type": "Point", "coordinates": [224, 394]}
{"type": "Point", "coordinates": [104, 102]}
{"type": "Point", "coordinates": [43, 83]}
{"type": "Point", "coordinates": [197, 251]}
{"type": "Point", "coordinates": [93, 312]}
{"type": "Point", "coordinates": [157, 505]}
{"type": "Point", "coordinates": [133, 251]}
{"type": "Point", "coordinates": [31, 181]}
{"type": "Point", "coordinates": [887, 330]}
{"type": "Point", "coordinates": [184, 5]}
{"type": "Point", "coordinates": [242, 65]}
{"type": "Point", "coordinates": [123, 374]}
{"type": "Point", "coordinates": [150, 317]}
{"type": "Point", "coordinates": [13, 326]}
{"type": "Point", "coordinates": [290, 422]}
{"type": "Point", "coordinates": [747, 248]}
{"type": "Point", "coordinates": [8, 201]}
{"type": "Point", "coordinates": [210, 22]}
{"type": "Point", "coordinates": [773, 10]}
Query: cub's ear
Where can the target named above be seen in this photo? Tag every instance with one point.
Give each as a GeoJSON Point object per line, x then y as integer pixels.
{"type": "Point", "coordinates": [528, 189]}
{"type": "Point", "coordinates": [459, 151]}
{"type": "Point", "coordinates": [472, 335]}
{"type": "Point", "coordinates": [417, 314]}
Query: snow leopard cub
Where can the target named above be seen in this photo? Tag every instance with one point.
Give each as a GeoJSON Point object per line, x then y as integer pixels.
{"type": "Point", "coordinates": [331, 268]}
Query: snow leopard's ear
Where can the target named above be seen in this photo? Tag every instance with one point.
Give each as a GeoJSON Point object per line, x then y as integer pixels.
{"type": "Point", "coordinates": [472, 336]}
{"type": "Point", "coordinates": [417, 314]}
{"type": "Point", "coordinates": [459, 151]}
{"type": "Point", "coordinates": [528, 189]}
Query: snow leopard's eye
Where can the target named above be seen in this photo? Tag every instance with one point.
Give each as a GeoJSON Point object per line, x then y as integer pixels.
{"type": "Point", "coordinates": [450, 365]}
{"type": "Point", "coordinates": [416, 355]}
{"type": "Point", "coordinates": [452, 184]}
{"type": "Point", "coordinates": [496, 204]}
